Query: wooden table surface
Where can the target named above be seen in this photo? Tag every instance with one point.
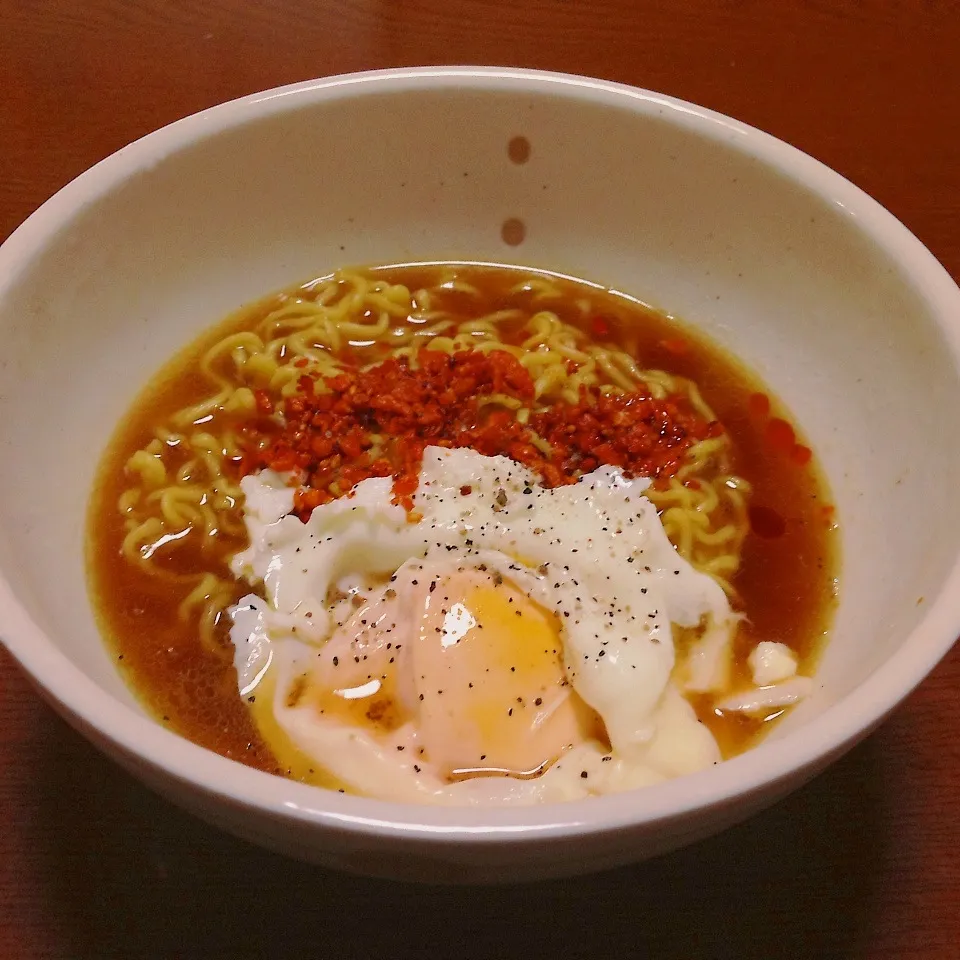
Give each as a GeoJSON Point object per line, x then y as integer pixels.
{"type": "Point", "coordinates": [864, 862]}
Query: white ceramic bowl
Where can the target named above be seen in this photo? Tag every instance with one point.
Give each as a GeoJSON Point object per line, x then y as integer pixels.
{"type": "Point", "coordinates": [840, 309]}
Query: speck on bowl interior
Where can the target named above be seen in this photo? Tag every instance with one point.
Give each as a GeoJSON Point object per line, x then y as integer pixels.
{"type": "Point", "coordinates": [849, 319]}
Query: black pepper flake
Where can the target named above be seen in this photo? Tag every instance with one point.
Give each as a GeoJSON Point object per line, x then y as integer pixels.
{"type": "Point", "coordinates": [251, 699]}
{"type": "Point", "coordinates": [538, 701]}
{"type": "Point", "coordinates": [583, 774]}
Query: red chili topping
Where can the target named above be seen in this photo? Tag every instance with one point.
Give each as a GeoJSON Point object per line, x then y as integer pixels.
{"type": "Point", "coordinates": [263, 401]}
{"type": "Point", "coordinates": [377, 422]}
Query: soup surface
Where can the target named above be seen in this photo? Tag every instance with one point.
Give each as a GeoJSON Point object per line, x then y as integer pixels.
{"type": "Point", "coordinates": [738, 492]}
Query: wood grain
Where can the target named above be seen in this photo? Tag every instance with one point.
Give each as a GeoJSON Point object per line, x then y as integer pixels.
{"type": "Point", "coordinates": [862, 863]}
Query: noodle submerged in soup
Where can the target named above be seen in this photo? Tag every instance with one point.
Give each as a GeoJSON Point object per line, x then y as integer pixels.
{"type": "Point", "coordinates": [462, 533]}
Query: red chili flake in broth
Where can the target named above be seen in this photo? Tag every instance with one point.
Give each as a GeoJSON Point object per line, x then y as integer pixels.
{"type": "Point", "coordinates": [780, 435]}
{"type": "Point", "coordinates": [676, 345]}
{"type": "Point", "coordinates": [600, 327]}
{"type": "Point", "coordinates": [336, 431]}
{"type": "Point", "coordinates": [801, 455]}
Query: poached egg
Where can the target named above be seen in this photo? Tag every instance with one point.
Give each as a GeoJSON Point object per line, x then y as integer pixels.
{"type": "Point", "coordinates": [511, 644]}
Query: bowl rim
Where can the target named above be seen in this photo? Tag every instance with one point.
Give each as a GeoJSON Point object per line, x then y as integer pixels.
{"type": "Point", "coordinates": [132, 734]}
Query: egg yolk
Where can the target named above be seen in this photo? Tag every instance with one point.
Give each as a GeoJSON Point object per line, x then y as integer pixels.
{"type": "Point", "coordinates": [468, 663]}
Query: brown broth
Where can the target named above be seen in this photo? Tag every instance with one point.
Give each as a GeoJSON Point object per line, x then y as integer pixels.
{"type": "Point", "coordinates": [787, 582]}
